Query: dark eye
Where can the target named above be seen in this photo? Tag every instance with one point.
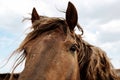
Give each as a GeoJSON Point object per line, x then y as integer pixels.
{"type": "Point", "coordinates": [73, 48]}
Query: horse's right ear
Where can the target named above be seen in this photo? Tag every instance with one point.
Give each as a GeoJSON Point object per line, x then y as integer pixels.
{"type": "Point", "coordinates": [71, 16]}
{"type": "Point", "coordinates": [35, 15]}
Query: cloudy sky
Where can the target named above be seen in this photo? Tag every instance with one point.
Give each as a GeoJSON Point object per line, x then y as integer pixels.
{"type": "Point", "coordinates": [100, 20]}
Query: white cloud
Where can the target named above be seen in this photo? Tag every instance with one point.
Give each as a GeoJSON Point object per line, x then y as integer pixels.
{"type": "Point", "coordinates": [113, 26]}
{"type": "Point", "coordinates": [90, 37]}
{"type": "Point", "coordinates": [21, 6]}
{"type": "Point", "coordinates": [112, 48]}
{"type": "Point", "coordinates": [116, 63]}
{"type": "Point", "coordinates": [99, 10]}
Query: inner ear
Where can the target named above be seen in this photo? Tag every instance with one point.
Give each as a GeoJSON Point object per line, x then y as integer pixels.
{"type": "Point", "coordinates": [35, 15]}
{"type": "Point", "coordinates": [71, 16]}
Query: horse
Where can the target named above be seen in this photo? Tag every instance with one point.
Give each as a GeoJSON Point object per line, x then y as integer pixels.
{"type": "Point", "coordinates": [53, 51]}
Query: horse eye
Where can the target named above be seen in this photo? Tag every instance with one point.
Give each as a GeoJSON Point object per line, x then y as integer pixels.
{"type": "Point", "coordinates": [73, 48]}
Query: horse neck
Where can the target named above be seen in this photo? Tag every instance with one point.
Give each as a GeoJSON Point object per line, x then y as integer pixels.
{"type": "Point", "coordinates": [95, 61]}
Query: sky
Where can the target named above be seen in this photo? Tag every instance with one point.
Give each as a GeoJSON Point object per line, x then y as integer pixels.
{"type": "Point", "coordinates": [100, 20]}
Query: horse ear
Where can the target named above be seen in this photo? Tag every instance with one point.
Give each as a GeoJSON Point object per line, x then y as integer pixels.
{"type": "Point", "coordinates": [35, 15]}
{"type": "Point", "coordinates": [71, 16]}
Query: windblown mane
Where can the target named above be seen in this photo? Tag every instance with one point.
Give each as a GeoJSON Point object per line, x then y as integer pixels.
{"type": "Point", "coordinates": [42, 26]}
{"type": "Point", "coordinates": [94, 63]}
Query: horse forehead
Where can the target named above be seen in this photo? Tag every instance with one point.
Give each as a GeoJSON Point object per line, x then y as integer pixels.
{"type": "Point", "coordinates": [46, 20]}
{"type": "Point", "coordinates": [58, 35]}
{"type": "Point", "coordinates": [54, 37]}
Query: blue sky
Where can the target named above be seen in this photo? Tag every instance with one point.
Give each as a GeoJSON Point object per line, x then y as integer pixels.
{"type": "Point", "coordinates": [100, 20]}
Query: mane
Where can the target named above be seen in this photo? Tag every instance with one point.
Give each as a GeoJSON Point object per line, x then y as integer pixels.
{"type": "Point", "coordinates": [94, 63]}
{"type": "Point", "coordinates": [43, 25]}
{"type": "Point", "coordinates": [39, 27]}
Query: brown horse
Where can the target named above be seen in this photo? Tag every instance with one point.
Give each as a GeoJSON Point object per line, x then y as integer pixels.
{"type": "Point", "coordinates": [54, 51]}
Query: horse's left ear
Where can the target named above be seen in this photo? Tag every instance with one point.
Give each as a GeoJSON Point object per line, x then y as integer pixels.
{"type": "Point", "coordinates": [71, 16]}
{"type": "Point", "coordinates": [35, 15]}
